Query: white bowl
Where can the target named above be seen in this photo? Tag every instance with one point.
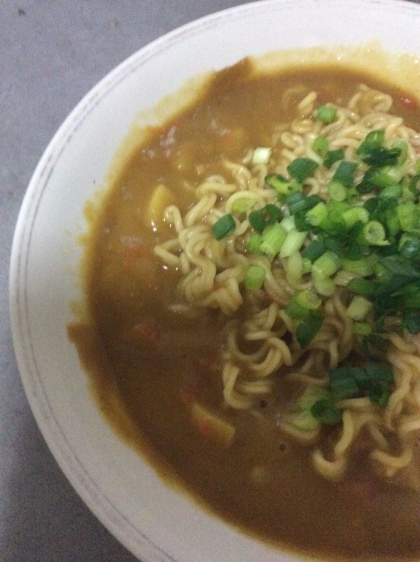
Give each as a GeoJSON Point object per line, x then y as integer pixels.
{"type": "Point", "coordinates": [155, 522]}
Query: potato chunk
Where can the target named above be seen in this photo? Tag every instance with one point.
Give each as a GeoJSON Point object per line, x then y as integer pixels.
{"type": "Point", "coordinates": [212, 426]}
{"type": "Point", "coordinates": [160, 199]}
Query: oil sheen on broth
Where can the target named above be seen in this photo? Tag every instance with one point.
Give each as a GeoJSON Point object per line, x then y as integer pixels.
{"type": "Point", "coordinates": [150, 360]}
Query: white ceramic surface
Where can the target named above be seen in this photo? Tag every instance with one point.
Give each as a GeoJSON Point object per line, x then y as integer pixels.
{"type": "Point", "coordinates": [153, 521]}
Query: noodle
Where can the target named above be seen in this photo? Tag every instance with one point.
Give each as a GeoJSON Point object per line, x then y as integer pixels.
{"type": "Point", "coordinates": [260, 341]}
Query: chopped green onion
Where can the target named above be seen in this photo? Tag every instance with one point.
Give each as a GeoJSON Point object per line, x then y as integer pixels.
{"type": "Point", "coordinates": [320, 146]}
{"type": "Point", "coordinates": [359, 308]}
{"type": "Point", "coordinates": [282, 185]}
{"type": "Point", "coordinates": [314, 250]}
{"type": "Point", "coordinates": [272, 239]}
{"type": "Point", "coordinates": [324, 286]}
{"type": "Point", "coordinates": [362, 286]}
{"type": "Point", "coordinates": [254, 243]}
{"type": "Point", "coordinates": [364, 267]}
{"type": "Point", "coordinates": [351, 382]}
{"type": "Point", "coordinates": [373, 234]}
{"type": "Point", "coordinates": [317, 214]}
{"type": "Point", "coordinates": [361, 328]}
{"type": "Point", "coordinates": [373, 140]}
{"type": "Point", "coordinates": [261, 218]}
{"type": "Point", "coordinates": [382, 157]}
{"type": "Point", "coordinates": [243, 204]}
{"type": "Point", "coordinates": [307, 299]}
{"type": "Point", "coordinates": [308, 328]}
{"type": "Point", "coordinates": [288, 223]}
{"type": "Point", "coordinates": [326, 412]}
{"type": "Point", "coordinates": [301, 416]}
{"type": "Point", "coordinates": [306, 265]}
{"type": "Point", "coordinates": [224, 227]}
{"type": "Point", "coordinates": [403, 147]}
{"type": "Point", "coordinates": [296, 311]}
{"type": "Point", "coordinates": [297, 202]}
{"type": "Point", "coordinates": [394, 190]}
{"type": "Point", "coordinates": [333, 156]}
{"type": "Point", "coordinates": [344, 173]}
{"type": "Point", "coordinates": [292, 243]}
{"type": "Point", "coordinates": [326, 114]}
{"type": "Point", "coordinates": [261, 155]}
{"type": "Point", "coordinates": [254, 277]}
{"type": "Point", "coordinates": [379, 395]}
{"type": "Point", "coordinates": [414, 185]}
{"type": "Point", "coordinates": [294, 268]}
{"type": "Point", "coordinates": [337, 191]}
{"type": "Point", "coordinates": [409, 245]}
{"type": "Point", "coordinates": [301, 168]}
{"type": "Point", "coordinates": [326, 265]}
{"type": "Point", "coordinates": [355, 214]}
{"type": "Point", "coordinates": [408, 215]}
{"type": "Point", "coordinates": [384, 177]}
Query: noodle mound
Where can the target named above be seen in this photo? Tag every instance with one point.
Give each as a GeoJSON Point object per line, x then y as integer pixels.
{"type": "Point", "coordinates": [261, 344]}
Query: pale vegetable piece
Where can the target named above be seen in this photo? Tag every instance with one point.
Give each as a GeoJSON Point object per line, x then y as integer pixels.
{"type": "Point", "coordinates": [212, 426]}
{"type": "Point", "coordinates": [161, 198]}
{"type": "Point", "coordinates": [261, 155]}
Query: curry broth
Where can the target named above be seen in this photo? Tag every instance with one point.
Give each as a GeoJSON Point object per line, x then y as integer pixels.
{"type": "Point", "coordinates": [150, 361]}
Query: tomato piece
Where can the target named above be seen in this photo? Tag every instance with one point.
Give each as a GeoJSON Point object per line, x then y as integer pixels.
{"type": "Point", "coordinates": [145, 334]}
{"type": "Point", "coordinates": [409, 102]}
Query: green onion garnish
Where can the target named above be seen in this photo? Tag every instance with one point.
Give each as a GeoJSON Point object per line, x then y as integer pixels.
{"type": "Point", "coordinates": [326, 412]}
{"type": "Point", "coordinates": [320, 146]}
{"type": "Point", "coordinates": [326, 265]}
{"type": "Point", "coordinates": [344, 173]}
{"type": "Point", "coordinates": [372, 141]}
{"type": "Point", "coordinates": [301, 168]}
{"type": "Point", "coordinates": [224, 227]}
{"type": "Point", "coordinates": [272, 239]}
{"type": "Point", "coordinates": [333, 156]}
{"type": "Point", "coordinates": [254, 277]}
{"type": "Point", "coordinates": [326, 114]}
{"type": "Point", "coordinates": [261, 218]}
{"type": "Point", "coordinates": [308, 328]}
{"type": "Point", "coordinates": [282, 185]}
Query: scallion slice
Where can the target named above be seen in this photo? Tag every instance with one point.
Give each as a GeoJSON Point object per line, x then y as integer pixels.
{"type": "Point", "coordinates": [320, 146]}
{"type": "Point", "coordinates": [254, 277]}
{"type": "Point", "coordinates": [282, 185]}
{"type": "Point", "coordinates": [326, 113]}
{"type": "Point", "coordinates": [224, 227]}
{"type": "Point", "coordinates": [344, 173]}
{"type": "Point", "coordinates": [326, 265]}
{"type": "Point", "coordinates": [337, 191]}
{"type": "Point", "coordinates": [333, 156]}
{"type": "Point", "coordinates": [272, 239]}
{"type": "Point", "coordinates": [314, 250]}
{"type": "Point", "coordinates": [326, 412]}
{"type": "Point", "coordinates": [261, 218]}
{"type": "Point", "coordinates": [373, 234]}
{"type": "Point", "coordinates": [308, 328]}
{"type": "Point", "coordinates": [372, 141]}
{"type": "Point", "coordinates": [359, 308]}
{"type": "Point", "coordinates": [292, 243]}
{"type": "Point", "coordinates": [301, 168]}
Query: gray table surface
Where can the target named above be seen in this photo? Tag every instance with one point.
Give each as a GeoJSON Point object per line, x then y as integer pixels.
{"type": "Point", "coordinates": [51, 53]}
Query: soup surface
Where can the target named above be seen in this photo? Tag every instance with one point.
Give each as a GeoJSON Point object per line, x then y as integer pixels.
{"type": "Point", "coordinates": [156, 364]}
